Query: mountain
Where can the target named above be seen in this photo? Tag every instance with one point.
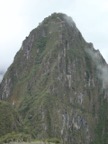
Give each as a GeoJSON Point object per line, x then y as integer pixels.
{"type": "Point", "coordinates": [1, 75]}
{"type": "Point", "coordinates": [58, 84]}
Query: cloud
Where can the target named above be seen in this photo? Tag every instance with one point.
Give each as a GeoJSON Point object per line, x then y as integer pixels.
{"type": "Point", "coordinates": [101, 65]}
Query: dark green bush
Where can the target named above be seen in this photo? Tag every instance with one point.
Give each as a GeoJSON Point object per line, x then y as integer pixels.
{"type": "Point", "coordinates": [53, 140]}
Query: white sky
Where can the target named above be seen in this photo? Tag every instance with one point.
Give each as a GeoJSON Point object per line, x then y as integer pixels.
{"type": "Point", "coordinates": [19, 17]}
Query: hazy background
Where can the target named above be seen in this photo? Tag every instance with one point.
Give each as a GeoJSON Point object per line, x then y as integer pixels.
{"type": "Point", "coordinates": [19, 17]}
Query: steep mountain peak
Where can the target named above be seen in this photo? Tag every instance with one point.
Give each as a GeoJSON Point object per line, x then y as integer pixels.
{"type": "Point", "coordinates": [58, 84]}
{"type": "Point", "coordinates": [55, 33]}
{"type": "Point", "coordinates": [58, 26]}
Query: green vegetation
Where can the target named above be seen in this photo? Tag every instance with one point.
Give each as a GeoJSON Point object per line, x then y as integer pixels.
{"type": "Point", "coordinates": [41, 43]}
{"type": "Point", "coordinates": [102, 126]}
{"type": "Point", "coordinates": [9, 119]}
{"type": "Point", "coordinates": [15, 137]}
{"type": "Point", "coordinates": [53, 140]}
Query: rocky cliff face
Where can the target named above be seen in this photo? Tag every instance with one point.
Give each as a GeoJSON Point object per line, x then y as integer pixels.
{"type": "Point", "coordinates": [58, 83]}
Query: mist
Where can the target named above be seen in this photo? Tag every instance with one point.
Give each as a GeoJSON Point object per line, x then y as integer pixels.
{"type": "Point", "coordinates": [101, 65]}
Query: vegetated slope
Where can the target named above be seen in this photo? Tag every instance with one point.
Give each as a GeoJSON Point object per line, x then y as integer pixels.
{"type": "Point", "coordinates": [9, 119]}
{"type": "Point", "coordinates": [57, 82]}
